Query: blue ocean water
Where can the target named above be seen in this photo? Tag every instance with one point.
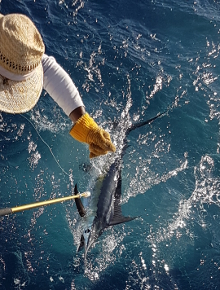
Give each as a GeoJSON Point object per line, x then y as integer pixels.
{"type": "Point", "coordinates": [136, 57]}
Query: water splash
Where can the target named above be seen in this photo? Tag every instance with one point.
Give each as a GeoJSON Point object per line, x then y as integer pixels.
{"type": "Point", "coordinates": [194, 208]}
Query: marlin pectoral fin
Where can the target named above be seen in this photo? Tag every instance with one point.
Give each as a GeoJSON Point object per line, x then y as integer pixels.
{"type": "Point", "coordinates": [120, 219]}
{"type": "Point", "coordinates": [82, 243]}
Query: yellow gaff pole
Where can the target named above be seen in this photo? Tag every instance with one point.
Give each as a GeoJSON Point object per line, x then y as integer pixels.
{"type": "Point", "coordinates": [6, 211]}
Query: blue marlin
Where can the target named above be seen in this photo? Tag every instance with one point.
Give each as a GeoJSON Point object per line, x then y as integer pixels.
{"type": "Point", "coordinates": [108, 212]}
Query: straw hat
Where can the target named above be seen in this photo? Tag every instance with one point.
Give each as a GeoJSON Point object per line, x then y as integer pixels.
{"type": "Point", "coordinates": [21, 71]}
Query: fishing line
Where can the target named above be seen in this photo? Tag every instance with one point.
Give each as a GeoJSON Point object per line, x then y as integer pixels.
{"type": "Point", "coordinates": [47, 146]}
{"type": "Point", "coordinates": [76, 194]}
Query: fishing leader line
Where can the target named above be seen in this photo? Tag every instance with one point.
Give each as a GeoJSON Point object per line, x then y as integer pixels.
{"type": "Point", "coordinates": [55, 159]}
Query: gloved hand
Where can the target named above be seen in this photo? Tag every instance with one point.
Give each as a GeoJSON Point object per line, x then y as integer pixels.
{"type": "Point", "coordinates": [86, 130]}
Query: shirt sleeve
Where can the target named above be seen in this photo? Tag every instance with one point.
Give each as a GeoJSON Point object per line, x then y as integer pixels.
{"type": "Point", "coordinates": [60, 86]}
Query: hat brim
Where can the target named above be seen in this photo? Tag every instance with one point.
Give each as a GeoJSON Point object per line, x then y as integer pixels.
{"type": "Point", "coordinates": [20, 97]}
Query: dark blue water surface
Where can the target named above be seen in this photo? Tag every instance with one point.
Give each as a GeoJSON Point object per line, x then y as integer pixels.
{"type": "Point", "coordinates": [137, 57]}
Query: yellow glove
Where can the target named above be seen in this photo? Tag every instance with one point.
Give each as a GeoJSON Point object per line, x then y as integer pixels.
{"type": "Point", "coordinates": [86, 130]}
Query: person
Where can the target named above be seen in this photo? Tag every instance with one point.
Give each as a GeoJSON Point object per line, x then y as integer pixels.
{"type": "Point", "coordinates": [25, 70]}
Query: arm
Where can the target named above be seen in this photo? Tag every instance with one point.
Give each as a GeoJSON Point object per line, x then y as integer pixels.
{"type": "Point", "coordinates": [61, 88]}
{"type": "Point", "coordinates": [77, 113]}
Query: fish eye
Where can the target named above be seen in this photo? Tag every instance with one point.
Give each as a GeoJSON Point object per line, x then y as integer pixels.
{"type": "Point", "coordinates": [87, 231]}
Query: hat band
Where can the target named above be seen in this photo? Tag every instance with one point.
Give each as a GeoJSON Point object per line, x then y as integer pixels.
{"type": "Point", "coordinates": [15, 77]}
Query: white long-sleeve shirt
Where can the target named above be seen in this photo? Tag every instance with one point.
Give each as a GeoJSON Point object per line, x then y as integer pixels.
{"type": "Point", "coordinates": [60, 86]}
